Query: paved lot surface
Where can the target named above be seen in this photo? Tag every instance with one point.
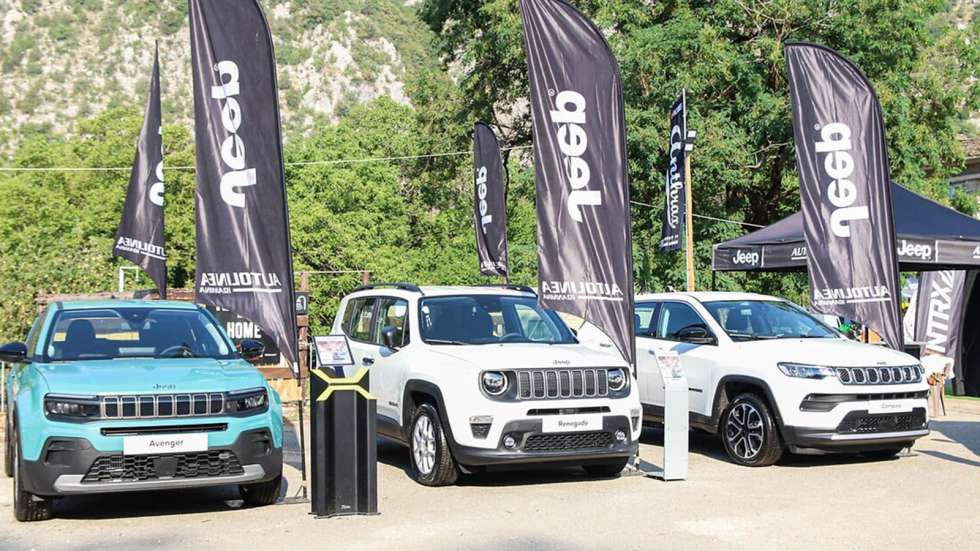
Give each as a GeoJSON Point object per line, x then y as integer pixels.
{"type": "Point", "coordinates": [928, 500]}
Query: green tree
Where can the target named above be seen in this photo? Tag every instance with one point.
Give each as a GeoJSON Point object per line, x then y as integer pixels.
{"type": "Point", "coordinates": [728, 55]}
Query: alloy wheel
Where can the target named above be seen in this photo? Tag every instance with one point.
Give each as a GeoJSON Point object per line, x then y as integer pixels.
{"type": "Point", "coordinates": [744, 430]}
{"type": "Point", "coordinates": [424, 445]}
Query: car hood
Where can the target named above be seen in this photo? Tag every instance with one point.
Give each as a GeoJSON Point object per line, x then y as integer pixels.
{"type": "Point", "coordinates": [146, 376]}
{"type": "Point", "coordinates": [828, 352]}
{"type": "Point", "coordinates": [528, 355]}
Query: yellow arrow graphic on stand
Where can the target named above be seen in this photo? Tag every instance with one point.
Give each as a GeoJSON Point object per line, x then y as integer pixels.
{"type": "Point", "coordinates": [338, 384]}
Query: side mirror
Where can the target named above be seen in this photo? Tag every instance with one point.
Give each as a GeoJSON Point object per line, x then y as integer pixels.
{"type": "Point", "coordinates": [13, 352]}
{"type": "Point", "coordinates": [695, 334]}
{"type": "Point", "coordinates": [389, 336]}
{"type": "Point", "coordinates": [251, 349]}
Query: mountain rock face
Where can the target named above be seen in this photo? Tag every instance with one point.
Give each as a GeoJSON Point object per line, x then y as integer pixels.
{"type": "Point", "coordinates": [65, 59]}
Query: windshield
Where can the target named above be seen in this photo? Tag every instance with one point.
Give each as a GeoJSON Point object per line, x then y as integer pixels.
{"type": "Point", "coordinates": [488, 319]}
{"type": "Point", "coordinates": [111, 333]}
{"type": "Point", "coordinates": [766, 319]}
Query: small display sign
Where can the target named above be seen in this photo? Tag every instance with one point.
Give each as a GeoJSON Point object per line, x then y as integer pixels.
{"type": "Point", "coordinates": [302, 303]}
{"type": "Point", "coordinates": [333, 351]}
{"type": "Point", "coordinates": [670, 364]}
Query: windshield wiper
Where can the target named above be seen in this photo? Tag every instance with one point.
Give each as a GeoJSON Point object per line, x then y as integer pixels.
{"type": "Point", "coordinates": [444, 341]}
{"type": "Point", "coordinates": [743, 336]}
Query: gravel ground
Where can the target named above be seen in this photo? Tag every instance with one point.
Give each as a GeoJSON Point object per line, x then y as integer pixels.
{"type": "Point", "coordinates": [926, 500]}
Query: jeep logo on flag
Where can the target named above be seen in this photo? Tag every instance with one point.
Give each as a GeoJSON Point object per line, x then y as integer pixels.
{"type": "Point", "coordinates": [569, 114]}
{"type": "Point", "coordinates": [835, 141]}
{"type": "Point", "coordinates": [232, 148]}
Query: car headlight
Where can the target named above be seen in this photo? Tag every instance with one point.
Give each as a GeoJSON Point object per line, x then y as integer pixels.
{"type": "Point", "coordinates": [805, 371]}
{"type": "Point", "coordinates": [247, 401]}
{"type": "Point", "coordinates": [72, 407]}
{"type": "Point", "coordinates": [494, 383]}
{"type": "Point", "coordinates": [617, 379]}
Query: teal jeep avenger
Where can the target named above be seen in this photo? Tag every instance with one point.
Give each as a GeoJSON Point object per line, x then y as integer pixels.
{"type": "Point", "coordinates": [123, 396]}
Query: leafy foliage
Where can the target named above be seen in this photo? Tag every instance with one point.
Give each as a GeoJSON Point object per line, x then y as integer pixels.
{"type": "Point", "coordinates": [727, 54]}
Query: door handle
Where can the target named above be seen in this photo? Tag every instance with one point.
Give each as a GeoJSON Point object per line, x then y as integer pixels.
{"type": "Point", "coordinates": [367, 361]}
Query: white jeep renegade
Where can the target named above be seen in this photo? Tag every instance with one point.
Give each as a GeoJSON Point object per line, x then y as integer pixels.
{"type": "Point", "coordinates": [767, 376]}
{"type": "Point", "coordinates": [473, 377]}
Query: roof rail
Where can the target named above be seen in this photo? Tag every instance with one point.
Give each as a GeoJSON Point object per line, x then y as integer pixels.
{"type": "Point", "coordinates": [397, 285]}
{"type": "Point", "coordinates": [512, 287]}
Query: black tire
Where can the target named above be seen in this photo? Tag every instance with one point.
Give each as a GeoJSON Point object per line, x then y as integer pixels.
{"type": "Point", "coordinates": [887, 453]}
{"type": "Point", "coordinates": [27, 507]}
{"type": "Point", "coordinates": [749, 432]}
{"type": "Point", "coordinates": [430, 458]}
{"type": "Point", "coordinates": [608, 469]}
{"type": "Point", "coordinates": [261, 494]}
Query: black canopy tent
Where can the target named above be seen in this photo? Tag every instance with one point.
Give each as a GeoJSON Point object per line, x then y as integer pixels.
{"type": "Point", "coordinates": [929, 237]}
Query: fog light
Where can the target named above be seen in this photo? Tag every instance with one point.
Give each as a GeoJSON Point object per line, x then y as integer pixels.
{"type": "Point", "coordinates": [510, 442]}
{"type": "Point", "coordinates": [620, 436]}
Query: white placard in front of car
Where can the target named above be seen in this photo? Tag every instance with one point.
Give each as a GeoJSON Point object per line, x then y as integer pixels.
{"type": "Point", "coordinates": [890, 406]}
{"type": "Point", "coordinates": [571, 423]}
{"type": "Point", "coordinates": [165, 443]}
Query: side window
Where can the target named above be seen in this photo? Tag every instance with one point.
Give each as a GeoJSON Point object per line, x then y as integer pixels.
{"type": "Point", "coordinates": [393, 313]}
{"type": "Point", "coordinates": [35, 334]}
{"type": "Point", "coordinates": [348, 314]}
{"type": "Point", "coordinates": [645, 319]}
{"type": "Point", "coordinates": [361, 318]}
{"type": "Point", "coordinates": [675, 316]}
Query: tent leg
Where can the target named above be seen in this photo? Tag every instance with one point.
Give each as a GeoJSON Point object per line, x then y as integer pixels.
{"type": "Point", "coordinates": [712, 280]}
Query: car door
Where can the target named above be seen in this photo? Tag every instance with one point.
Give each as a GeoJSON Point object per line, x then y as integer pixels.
{"type": "Point", "coordinates": [697, 360]}
{"type": "Point", "coordinates": [648, 374]}
{"type": "Point", "coordinates": [359, 330]}
{"type": "Point", "coordinates": [388, 364]}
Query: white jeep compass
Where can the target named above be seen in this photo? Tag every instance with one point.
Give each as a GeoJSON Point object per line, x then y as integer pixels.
{"type": "Point", "coordinates": [767, 376]}
{"type": "Point", "coordinates": [472, 377]}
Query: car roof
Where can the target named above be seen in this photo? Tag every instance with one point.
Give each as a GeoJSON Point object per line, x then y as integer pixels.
{"type": "Point", "coordinates": [442, 291]}
{"type": "Point", "coordinates": [113, 303]}
{"type": "Point", "coordinates": [706, 296]}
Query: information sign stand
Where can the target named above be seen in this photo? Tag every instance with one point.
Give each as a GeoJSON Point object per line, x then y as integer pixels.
{"type": "Point", "coordinates": [676, 423]}
{"type": "Point", "coordinates": [343, 417]}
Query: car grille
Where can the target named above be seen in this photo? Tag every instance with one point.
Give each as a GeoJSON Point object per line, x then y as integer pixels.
{"type": "Point", "coordinates": [568, 441]}
{"type": "Point", "coordinates": [864, 423]}
{"type": "Point", "coordinates": [551, 384]}
{"type": "Point", "coordinates": [138, 468]}
{"type": "Point", "coordinates": [879, 375]}
{"type": "Point", "coordinates": [149, 406]}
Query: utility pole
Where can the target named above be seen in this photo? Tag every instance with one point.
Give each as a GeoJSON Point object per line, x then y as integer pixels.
{"type": "Point", "coordinates": [688, 202]}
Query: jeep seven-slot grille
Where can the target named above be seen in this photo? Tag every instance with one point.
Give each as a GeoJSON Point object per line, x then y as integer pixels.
{"type": "Point", "coordinates": [879, 375]}
{"type": "Point", "coordinates": [863, 423]}
{"type": "Point", "coordinates": [162, 405]}
{"type": "Point", "coordinates": [551, 384]}
{"type": "Point", "coordinates": [138, 468]}
{"type": "Point", "coordinates": [568, 441]}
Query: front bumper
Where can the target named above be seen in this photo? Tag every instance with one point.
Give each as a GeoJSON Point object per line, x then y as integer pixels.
{"type": "Point", "coordinates": [861, 431]}
{"type": "Point", "coordinates": [536, 446]}
{"type": "Point", "coordinates": [70, 466]}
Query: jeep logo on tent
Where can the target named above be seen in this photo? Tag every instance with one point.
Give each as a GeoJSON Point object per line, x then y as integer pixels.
{"type": "Point", "coordinates": [909, 249]}
{"type": "Point", "coordinates": [742, 257]}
